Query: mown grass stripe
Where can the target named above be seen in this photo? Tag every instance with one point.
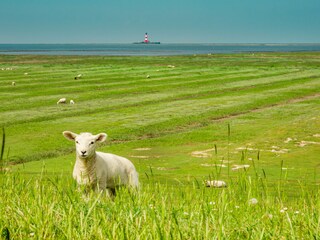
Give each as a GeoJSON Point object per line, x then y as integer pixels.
{"type": "Point", "coordinates": [177, 125]}
{"type": "Point", "coordinates": [152, 129]}
{"type": "Point", "coordinates": [187, 90]}
{"type": "Point", "coordinates": [186, 82]}
{"type": "Point", "coordinates": [38, 101]}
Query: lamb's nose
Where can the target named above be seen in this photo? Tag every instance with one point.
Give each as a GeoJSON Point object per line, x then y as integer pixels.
{"type": "Point", "coordinates": [83, 152]}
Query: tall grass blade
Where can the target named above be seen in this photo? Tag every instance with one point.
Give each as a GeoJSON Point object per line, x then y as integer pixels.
{"type": "Point", "coordinates": [3, 143]}
{"type": "Point", "coordinates": [2, 148]}
{"type": "Point", "coordinates": [5, 234]}
{"type": "Point", "coordinates": [197, 183]}
{"type": "Point", "coordinates": [229, 133]}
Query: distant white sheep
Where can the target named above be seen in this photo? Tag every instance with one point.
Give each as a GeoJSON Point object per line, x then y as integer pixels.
{"type": "Point", "coordinates": [215, 183]}
{"type": "Point", "coordinates": [78, 76]}
{"type": "Point", "coordinates": [71, 101]}
{"type": "Point", "coordinates": [13, 83]}
{"type": "Point", "coordinates": [62, 101]}
{"type": "Point", "coordinates": [97, 170]}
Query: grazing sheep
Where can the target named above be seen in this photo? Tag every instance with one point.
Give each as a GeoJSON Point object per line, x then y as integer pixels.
{"type": "Point", "coordinates": [78, 76]}
{"type": "Point", "coordinates": [216, 183]}
{"type": "Point", "coordinates": [97, 170]}
{"type": "Point", "coordinates": [13, 83]}
{"type": "Point", "coordinates": [62, 101]}
{"type": "Point", "coordinates": [148, 76]}
{"type": "Point", "coordinates": [71, 101]}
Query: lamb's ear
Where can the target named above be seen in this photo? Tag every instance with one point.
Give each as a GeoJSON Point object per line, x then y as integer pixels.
{"type": "Point", "coordinates": [101, 137]}
{"type": "Point", "coordinates": [69, 135]}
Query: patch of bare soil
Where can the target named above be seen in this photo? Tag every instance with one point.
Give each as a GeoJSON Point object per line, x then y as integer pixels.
{"type": "Point", "coordinates": [142, 149]}
{"type": "Point", "coordinates": [305, 143]}
{"type": "Point", "coordinates": [239, 167]}
{"type": "Point", "coordinates": [167, 168]}
{"type": "Point", "coordinates": [213, 165]}
{"type": "Point", "coordinates": [203, 154]}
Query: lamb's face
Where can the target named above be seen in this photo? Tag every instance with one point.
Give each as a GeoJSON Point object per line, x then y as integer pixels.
{"type": "Point", "coordinates": [85, 143]}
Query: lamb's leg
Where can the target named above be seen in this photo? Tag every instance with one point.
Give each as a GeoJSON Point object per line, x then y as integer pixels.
{"type": "Point", "coordinates": [133, 180]}
{"type": "Point", "coordinates": [102, 188]}
{"type": "Point", "coordinates": [108, 193]}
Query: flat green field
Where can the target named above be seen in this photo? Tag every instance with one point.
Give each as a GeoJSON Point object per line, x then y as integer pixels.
{"type": "Point", "coordinates": [180, 120]}
{"type": "Point", "coordinates": [166, 118]}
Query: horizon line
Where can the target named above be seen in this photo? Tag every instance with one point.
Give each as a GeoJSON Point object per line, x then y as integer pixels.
{"type": "Point", "coordinates": [211, 43]}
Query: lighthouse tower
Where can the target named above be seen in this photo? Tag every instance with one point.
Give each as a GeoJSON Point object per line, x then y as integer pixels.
{"type": "Point", "coordinates": [146, 38]}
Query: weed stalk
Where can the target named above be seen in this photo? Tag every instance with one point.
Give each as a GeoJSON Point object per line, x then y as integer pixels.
{"type": "Point", "coordinates": [2, 149]}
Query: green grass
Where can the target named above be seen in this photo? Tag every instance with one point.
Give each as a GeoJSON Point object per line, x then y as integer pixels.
{"type": "Point", "coordinates": [50, 207]}
{"type": "Point", "coordinates": [207, 111]}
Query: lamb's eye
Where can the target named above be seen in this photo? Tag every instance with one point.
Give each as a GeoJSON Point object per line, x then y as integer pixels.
{"type": "Point", "coordinates": [92, 143]}
{"type": "Point", "coordinates": [77, 142]}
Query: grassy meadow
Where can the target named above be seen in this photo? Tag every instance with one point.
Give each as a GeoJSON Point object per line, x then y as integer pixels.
{"type": "Point", "coordinates": [181, 120]}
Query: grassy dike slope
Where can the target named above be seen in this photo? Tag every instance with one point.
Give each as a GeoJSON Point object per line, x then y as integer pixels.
{"type": "Point", "coordinates": [172, 122]}
{"type": "Point", "coordinates": [266, 99]}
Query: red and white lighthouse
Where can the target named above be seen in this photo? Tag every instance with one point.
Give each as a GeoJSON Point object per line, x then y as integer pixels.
{"type": "Point", "coordinates": [146, 38]}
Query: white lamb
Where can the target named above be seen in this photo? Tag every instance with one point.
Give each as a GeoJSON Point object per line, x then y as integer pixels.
{"type": "Point", "coordinates": [62, 100]}
{"type": "Point", "coordinates": [78, 76]}
{"type": "Point", "coordinates": [97, 170]}
{"type": "Point", "coordinates": [71, 101]}
{"type": "Point", "coordinates": [215, 183]}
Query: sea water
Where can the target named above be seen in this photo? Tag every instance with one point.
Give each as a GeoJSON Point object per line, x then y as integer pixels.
{"type": "Point", "coordinates": [151, 49]}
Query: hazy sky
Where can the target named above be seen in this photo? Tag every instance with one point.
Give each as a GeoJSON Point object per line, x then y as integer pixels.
{"type": "Point", "coordinates": [168, 21]}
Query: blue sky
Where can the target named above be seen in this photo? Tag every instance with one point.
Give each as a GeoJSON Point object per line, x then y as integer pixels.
{"type": "Point", "coordinates": [168, 21]}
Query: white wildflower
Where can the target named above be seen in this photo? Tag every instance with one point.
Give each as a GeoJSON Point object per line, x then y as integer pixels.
{"type": "Point", "coordinates": [283, 209]}
{"type": "Point", "coordinates": [253, 201]}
